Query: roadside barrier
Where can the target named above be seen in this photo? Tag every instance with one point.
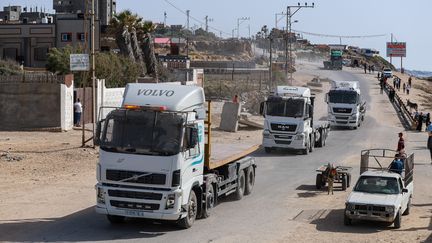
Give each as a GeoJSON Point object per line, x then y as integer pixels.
{"type": "Point", "coordinates": [403, 111]}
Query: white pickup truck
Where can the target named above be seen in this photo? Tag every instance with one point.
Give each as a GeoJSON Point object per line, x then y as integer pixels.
{"type": "Point", "coordinates": [380, 194]}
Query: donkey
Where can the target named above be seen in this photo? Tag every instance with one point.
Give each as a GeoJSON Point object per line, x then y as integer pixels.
{"type": "Point", "coordinates": [412, 105]}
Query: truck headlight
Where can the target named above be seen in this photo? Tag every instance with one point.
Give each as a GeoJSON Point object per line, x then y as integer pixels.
{"type": "Point", "coordinates": [170, 201]}
{"type": "Point", "coordinates": [266, 134]}
{"type": "Point", "coordinates": [100, 195]}
{"type": "Point", "coordinates": [299, 137]}
{"type": "Point", "coordinates": [389, 209]}
{"type": "Point", "coordinates": [349, 206]}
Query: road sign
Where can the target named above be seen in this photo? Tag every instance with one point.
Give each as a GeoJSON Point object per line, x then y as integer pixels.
{"type": "Point", "coordinates": [396, 49]}
{"type": "Point", "coordinates": [79, 62]}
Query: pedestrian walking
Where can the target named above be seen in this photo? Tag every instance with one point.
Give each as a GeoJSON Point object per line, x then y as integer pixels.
{"type": "Point", "coordinates": [332, 173]}
{"type": "Point", "coordinates": [409, 81]}
{"type": "Point", "coordinates": [420, 122]}
{"type": "Point", "coordinates": [365, 67]}
{"type": "Point", "coordinates": [429, 142]}
{"type": "Point", "coordinates": [404, 87]}
{"type": "Point", "coordinates": [427, 120]}
{"type": "Point", "coordinates": [401, 144]}
{"type": "Point", "coordinates": [235, 99]}
{"type": "Point", "coordinates": [373, 68]}
{"type": "Point", "coordinates": [77, 113]}
{"type": "Point", "coordinates": [408, 88]}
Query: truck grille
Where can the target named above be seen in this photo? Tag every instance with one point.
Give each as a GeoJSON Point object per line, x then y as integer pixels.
{"type": "Point", "coordinates": [283, 127]}
{"type": "Point", "coordinates": [133, 205]}
{"type": "Point", "coordinates": [283, 142]}
{"type": "Point", "coordinates": [136, 195]}
{"type": "Point", "coordinates": [342, 117]}
{"type": "Point", "coordinates": [283, 136]}
{"type": "Point", "coordinates": [136, 177]}
{"type": "Point", "coordinates": [370, 208]}
{"type": "Point", "coordinates": [342, 110]}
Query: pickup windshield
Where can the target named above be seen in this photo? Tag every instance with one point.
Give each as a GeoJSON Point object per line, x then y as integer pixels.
{"type": "Point", "coordinates": [344, 97]}
{"type": "Point", "coordinates": [376, 184]}
{"type": "Point", "coordinates": [288, 108]}
{"type": "Point", "coordinates": [142, 132]}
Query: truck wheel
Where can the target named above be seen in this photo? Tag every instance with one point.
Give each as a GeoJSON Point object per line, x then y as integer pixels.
{"type": "Point", "coordinates": [192, 210]}
{"type": "Point", "coordinates": [241, 184]}
{"type": "Point", "coordinates": [318, 182]}
{"type": "Point", "coordinates": [398, 220]}
{"type": "Point", "coordinates": [250, 180]}
{"type": "Point", "coordinates": [321, 140]}
{"type": "Point", "coordinates": [210, 201]}
{"type": "Point", "coordinates": [268, 150]}
{"type": "Point", "coordinates": [407, 210]}
{"type": "Point", "coordinates": [344, 183]}
{"type": "Point", "coordinates": [115, 219]}
{"type": "Point", "coordinates": [347, 221]}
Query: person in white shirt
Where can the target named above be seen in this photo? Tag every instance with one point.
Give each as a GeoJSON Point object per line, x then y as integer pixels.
{"type": "Point", "coordinates": [77, 113]}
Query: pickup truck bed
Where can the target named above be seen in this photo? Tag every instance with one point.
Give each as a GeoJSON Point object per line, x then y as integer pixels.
{"type": "Point", "coordinates": [222, 154]}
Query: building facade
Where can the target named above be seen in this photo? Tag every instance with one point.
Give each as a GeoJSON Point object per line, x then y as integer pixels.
{"type": "Point", "coordinates": [104, 9]}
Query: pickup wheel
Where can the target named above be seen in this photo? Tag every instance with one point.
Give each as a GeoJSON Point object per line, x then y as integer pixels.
{"type": "Point", "coordinates": [115, 219]}
{"type": "Point", "coordinates": [250, 180]}
{"type": "Point", "coordinates": [192, 210]}
{"type": "Point", "coordinates": [344, 183]}
{"type": "Point", "coordinates": [398, 220]}
{"type": "Point", "coordinates": [241, 185]}
{"type": "Point", "coordinates": [319, 181]}
{"type": "Point", "coordinates": [267, 150]}
{"type": "Point", "coordinates": [407, 210]}
{"type": "Point", "coordinates": [347, 221]}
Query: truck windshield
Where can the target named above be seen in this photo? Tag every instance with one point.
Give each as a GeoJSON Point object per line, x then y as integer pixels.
{"type": "Point", "coordinates": [287, 108]}
{"type": "Point", "coordinates": [376, 184]}
{"type": "Point", "coordinates": [143, 132]}
{"type": "Point", "coordinates": [344, 97]}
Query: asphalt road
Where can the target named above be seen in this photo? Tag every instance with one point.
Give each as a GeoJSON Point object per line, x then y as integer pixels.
{"type": "Point", "coordinates": [264, 215]}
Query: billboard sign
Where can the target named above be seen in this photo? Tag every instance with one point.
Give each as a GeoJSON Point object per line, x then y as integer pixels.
{"type": "Point", "coordinates": [396, 49]}
{"type": "Point", "coordinates": [79, 62]}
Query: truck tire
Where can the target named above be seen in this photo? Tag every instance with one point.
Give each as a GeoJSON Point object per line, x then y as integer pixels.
{"type": "Point", "coordinates": [347, 221]}
{"type": "Point", "coordinates": [210, 201]}
{"type": "Point", "coordinates": [241, 185]}
{"type": "Point", "coordinates": [407, 210]}
{"type": "Point", "coordinates": [344, 183]}
{"type": "Point", "coordinates": [267, 150]}
{"type": "Point", "coordinates": [250, 180]}
{"type": "Point", "coordinates": [318, 182]}
{"type": "Point", "coordinates": [115, 219]}
{"type": "Point", "coordinates": [192, 210]}
{"type": "Point", "coordinates": [398, 220]}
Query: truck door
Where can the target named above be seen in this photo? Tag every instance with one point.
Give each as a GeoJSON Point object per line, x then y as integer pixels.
{"type": "Point", "coordinates": [193, 153]}
{"type": "Point", "coordinates": [405, 196]}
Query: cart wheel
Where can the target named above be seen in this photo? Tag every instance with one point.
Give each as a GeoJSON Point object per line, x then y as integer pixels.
{"type": "Point", "coordinates": [319, 181]}
{"type": "Point", "coordinates": [344, 183]}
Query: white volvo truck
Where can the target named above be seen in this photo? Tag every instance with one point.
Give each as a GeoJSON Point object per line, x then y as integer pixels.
{"type": "Point", "coordinates": [289, 121]}
{"type": "Point", "coordinates": [345, 105]}
{"type": "Point", "coordinates": [155, 159]}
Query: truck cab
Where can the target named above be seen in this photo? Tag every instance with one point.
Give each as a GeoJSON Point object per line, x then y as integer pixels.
{"type": "Point", "coordinates": [151, 152]}
{"type": "Point", "coordinates": [289, 120]}
{"type": "Point", "coordinates": [345, 105]}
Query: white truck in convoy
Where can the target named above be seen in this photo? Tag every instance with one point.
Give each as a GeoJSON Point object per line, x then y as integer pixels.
{"type": "Point", "coordinates": [155, 159]}
{"type": "Point", "coordinates": [345, 105]}
{"type": "Point", "coordinates": [289, 121]}
{"type": "Point", "coordinates": [381, 194]}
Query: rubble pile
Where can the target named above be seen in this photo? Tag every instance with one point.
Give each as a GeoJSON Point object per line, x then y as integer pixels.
{"type": "Point", "coordinates": [7, 157]}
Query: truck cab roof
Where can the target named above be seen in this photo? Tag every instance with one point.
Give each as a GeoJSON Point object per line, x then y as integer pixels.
{"type": "Point", "coordinates": [171, 97]}
{"type": "Point", "coordinates": [292, 91]}
{"type": "Point", "coordinates": [381, 173]}
{"type": "Point", "coordinates": [346, 85]}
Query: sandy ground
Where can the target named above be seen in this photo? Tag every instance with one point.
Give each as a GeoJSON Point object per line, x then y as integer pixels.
{"type": "Point", "coordinates": [420, 93]}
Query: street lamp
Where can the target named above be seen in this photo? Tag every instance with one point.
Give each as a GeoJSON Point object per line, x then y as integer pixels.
{"type": "Point", "coordinates": [239, 21]}
{"type": "Point", "coordinates": [288, 51]}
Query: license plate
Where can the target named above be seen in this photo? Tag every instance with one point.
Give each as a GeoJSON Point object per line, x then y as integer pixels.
{"type": "Point", "coordinates": [134, 213]}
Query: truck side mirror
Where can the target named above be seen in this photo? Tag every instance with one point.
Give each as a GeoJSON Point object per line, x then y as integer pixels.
{"type": "Point", "coordinates": [261, 111]}
{"type": "Point", "coordinates": [404, 190]}
{"type": "Point", "coordinates": [96, 138]}
{"type": "Point", "coordinates": [192, 133]}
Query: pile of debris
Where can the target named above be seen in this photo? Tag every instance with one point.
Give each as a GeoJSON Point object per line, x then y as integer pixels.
{"type": "Point", "coordinates": [7, 157]}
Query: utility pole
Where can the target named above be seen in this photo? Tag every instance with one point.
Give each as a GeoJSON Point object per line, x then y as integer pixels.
{"type": "Point", "coordinates": [271, 65]}
{"type": "Point", "coordinates": [93, 66]}
{"type": "Point", "coordinates": [207, 20]}
{"type": "Point", "coordinates": [288, 42]}
{"type": "Point", "coordinates": [391, 41]}
{"type": "Point", "coordinates": [187, 14]}
{"type": "Point", "coordinates": [239, 21]}
{"type": "Point", "coordinates": [165, 18]}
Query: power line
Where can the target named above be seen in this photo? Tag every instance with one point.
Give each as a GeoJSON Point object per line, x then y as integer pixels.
{"type": "Point", "coordinates": [340, 36]}
{"type": "Point", "coordinates": [197, 20]}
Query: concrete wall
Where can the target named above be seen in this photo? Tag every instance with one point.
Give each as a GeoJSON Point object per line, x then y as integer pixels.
{"type": "Point", "coordinates": [29, 105]}
{"type": "Point", "coordinates": [110, 98]}
{"type": "Point", "coordinates": [66, 107]}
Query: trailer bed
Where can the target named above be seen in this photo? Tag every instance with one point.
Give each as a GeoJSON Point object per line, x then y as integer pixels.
{"type": "Point", "coordinates": [222, 154]}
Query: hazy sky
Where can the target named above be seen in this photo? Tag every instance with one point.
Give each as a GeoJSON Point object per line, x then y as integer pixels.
{"type": "Point", "coordinates": [407, 20]}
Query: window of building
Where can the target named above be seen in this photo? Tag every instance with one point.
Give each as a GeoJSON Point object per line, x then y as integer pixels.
{"type": "Point", "coordinates": [40, 53]}
{"type": "Point", "coordinates": [10, 53]}
{"type": "Point", "coordinates": [66, 37]}
{"type": "Point", "coordinates": [80, 36]}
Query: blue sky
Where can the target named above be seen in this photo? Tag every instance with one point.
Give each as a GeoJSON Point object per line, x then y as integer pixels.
{"type": "Point", "coordinates": [407, 20]}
